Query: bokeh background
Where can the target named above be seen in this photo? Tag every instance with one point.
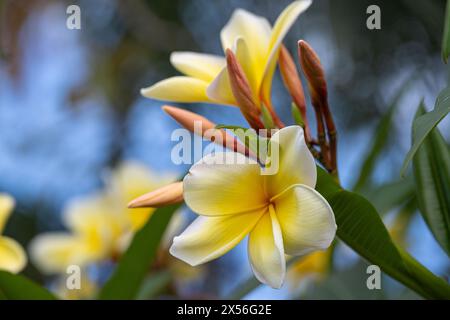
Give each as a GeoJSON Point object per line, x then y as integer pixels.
{"type": "Point", "coordinates": [70, 108]}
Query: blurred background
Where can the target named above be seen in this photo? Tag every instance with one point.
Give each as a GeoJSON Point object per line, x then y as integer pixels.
{"type": "Point", "coordinates": [70, 109]}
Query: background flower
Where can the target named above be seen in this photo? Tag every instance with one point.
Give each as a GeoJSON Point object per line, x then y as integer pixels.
{"type": "Point", "coordinates": [12, 255]}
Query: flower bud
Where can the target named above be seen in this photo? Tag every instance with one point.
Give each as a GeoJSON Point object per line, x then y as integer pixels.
{"type": "Point", "coordinates": [294, 85]}
{"type": "Point", "coordinates": [291, 79]}
{"type": "Point", "coordinates": [313, 70]}
{"type": "Point", "coordinates": [167, 195]}
{"type": "Point", "coordinates": [242, 92]}
{"type": "Point", "coordinates": [205, 128]}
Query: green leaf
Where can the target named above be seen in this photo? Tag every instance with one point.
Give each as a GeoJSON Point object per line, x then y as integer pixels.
{"type": "Point", "coordinates": [17, 287]}
{"type": "Point", "coordinates": [361, 228]}
{"type": "Point", "coordinates": [247, 136]}
{"type": "Point", "coordinates": [154, 285]}
{"type": "Point", "coordinates": [423, 124]}
{"type": "Point", "coordinates": [446, 35]}
{"type": "Point", "coordinates": [297, 115]}
{"type": "Point", "coordinates": [267, 117]}
{"type": "Point", "coordinates": [231, 127]}
{"type": "Point", "coordinates": [257, 144]}
{"type": "Point", "coordinates": [391, 195]}
{"type": "Point", "coordinates": [359, 225]}
{"type": "Point", "coordinates": [431, 167]}
{"type": "Point", "coordinates": [381, 139]}
{"type": "Point", "coordinates": [134, 265]}
{"type": "Point", "coordinates": [379, 142]}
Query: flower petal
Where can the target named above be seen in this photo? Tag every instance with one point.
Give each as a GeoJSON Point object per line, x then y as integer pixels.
{"type": "Point", "coordinates": [266, 252]}
{"type": "Point", "coordinates": [306, 220]}
{"type": "Point", "coordinates": [208, 238]}
{"type": "Point", "coordinates": [224, 183]}
{"type": "Point", "coordinates": [219, 90]}
{"type": "Point", "coordinates": [176, 224]}
{"type": "Point", "coordinates": [284, 22]}
{"type": "Point", "coordinates": [178, 89]}
{"type": "Point", "coordinates": [54, 252]}
{"type": "Point", "coordinates": [296, 164]}
{"type": "Point", "coordinates": [255, 30]}
{"type": "Point", "coordinates": [12, 255]}
{"type": "Point", "coordinates": [6, 207]}
{"type": "Point", "coordinates": [198, 65]}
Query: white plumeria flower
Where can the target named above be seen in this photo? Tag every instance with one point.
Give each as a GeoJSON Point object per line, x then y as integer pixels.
{"type": "Point", "coordinates": [281, 213]}
{"type": "Point", "coordinates": [256, 45]}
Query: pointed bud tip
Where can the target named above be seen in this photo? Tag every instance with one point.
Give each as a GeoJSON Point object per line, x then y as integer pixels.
{"type": "Point", "coordinates": [303, 45]}
{"type": "Point", "coordinates": [169, 109]}
{"type": "Point", "coordinates": [169, 194]}
{"type": "Point", "coordinates": [131, 205]}
{"type": "Point", "coordinates": [306, 51]}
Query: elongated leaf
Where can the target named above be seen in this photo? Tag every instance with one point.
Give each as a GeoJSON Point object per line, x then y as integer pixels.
{"type": "Point", "coordinates": [379, 142]}
{"type": "Point", "coordinates": [423, 124]}
{"type": "Point", "coordinates": [361, 228]}
{"type": "Point", "coordinates": [446, 35]}
{"type": "Point", "coordinates": [391, 195]}
{"type": "Point", "coordinates": [231, 127]}
{"type": "Point", "coordinates": [359, 225]}
{"type": "Point", "coordinates": [132, 268]}
{"type": "Point", "coordinates": [267, 117]}
{"type": "Point", "coordinates": [17, 287]}
{"type": "Point", "coordinates": [154, 285]}
{"type": "Point", "coordinates": [381, 138]}
{"type": "Point", "coordinates": [431, 166]}
{"type": "Point", "coordinates": [297, 115]}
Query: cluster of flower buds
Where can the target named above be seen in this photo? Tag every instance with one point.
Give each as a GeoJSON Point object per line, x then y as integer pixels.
{"type": "Point", "coordinates": [324, 147]}
{"type": "Point", "coordinates": [317, 85]}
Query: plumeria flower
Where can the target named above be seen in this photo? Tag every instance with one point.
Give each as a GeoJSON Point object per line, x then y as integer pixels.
{"type": "Point", "coordinates": [256, 46]}
{"type": "Point", "coordinates": [12, 255]}
{"type": "Point", "coordinates": [281, 213]}
{"type": "Point", "coordinates": [100, 226]}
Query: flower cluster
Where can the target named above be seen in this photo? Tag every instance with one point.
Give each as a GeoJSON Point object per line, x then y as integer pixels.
{"type": "Point", "coordinates": [281, 213]}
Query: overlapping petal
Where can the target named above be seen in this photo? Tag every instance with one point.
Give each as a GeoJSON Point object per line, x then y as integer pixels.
{"type": "Point", "coordinates": [266, 252]}
{"type": "Point", "coordinates": [295, 162]}
{"type": "Point", "coordinates": [219, 90]}
{"type": "Point", "coordinates": [306, 220]}
{"type": "Point", "coordinates": [208, 238]}
{"type": "Point", "coordinates": [279, 31]}
{"type": "Point", "coordinates": [198, 65]}
{"type": "Point", "coordinates": [12, 255]}
{"type": "Point", "coordinates": [255, 30]}
{"type": "Point", "coordinates": [224, 183]}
